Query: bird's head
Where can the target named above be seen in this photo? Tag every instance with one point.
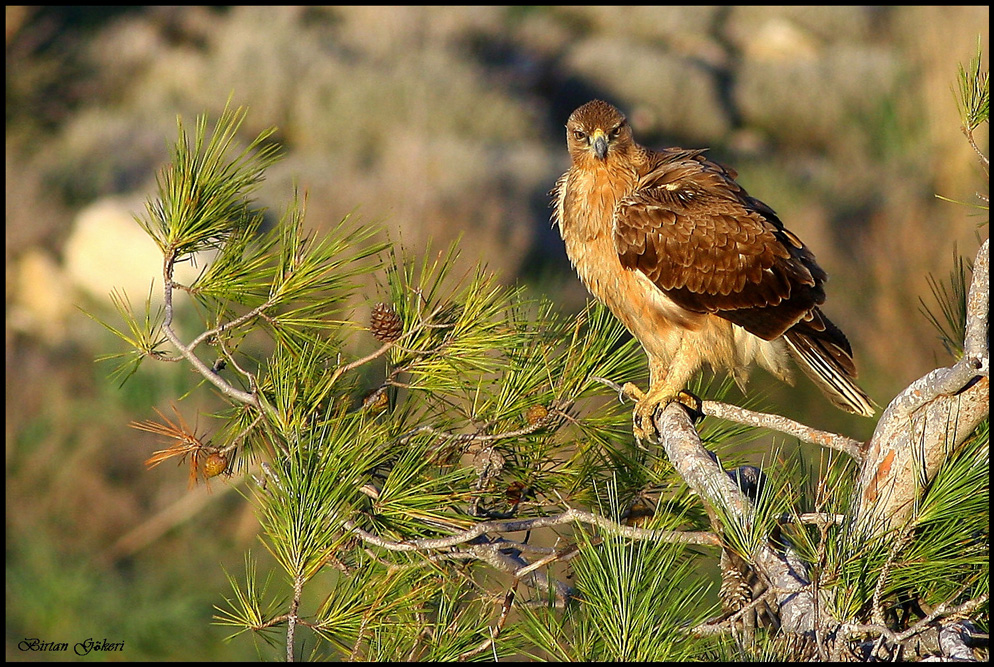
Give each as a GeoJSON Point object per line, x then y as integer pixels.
{"type": "Point", "coordinates": [597, 131]}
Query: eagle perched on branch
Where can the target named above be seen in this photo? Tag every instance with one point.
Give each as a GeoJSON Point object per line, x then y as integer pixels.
{"type": "Point", "coordinates": [695, 268]}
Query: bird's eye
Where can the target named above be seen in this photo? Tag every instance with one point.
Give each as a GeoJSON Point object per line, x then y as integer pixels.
{"type": "Point", "coordinates": [615, 131]}
{"type": "Point", "coordinates": [579, 135]}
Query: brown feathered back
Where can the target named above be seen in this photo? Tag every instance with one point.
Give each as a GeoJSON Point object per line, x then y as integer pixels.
{"type": "Point", "coordinates": [712, 248]}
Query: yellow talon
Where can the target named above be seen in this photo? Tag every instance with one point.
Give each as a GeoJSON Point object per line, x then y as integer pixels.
{"type": "Point", "coordinates": [647, 403]}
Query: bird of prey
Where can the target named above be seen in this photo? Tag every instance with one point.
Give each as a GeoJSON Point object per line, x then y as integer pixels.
{"type": "Point", "coordinates": [695, 268]}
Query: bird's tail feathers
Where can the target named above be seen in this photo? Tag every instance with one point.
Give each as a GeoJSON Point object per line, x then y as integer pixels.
{"type": "Point", "coordinates": [831, 368]}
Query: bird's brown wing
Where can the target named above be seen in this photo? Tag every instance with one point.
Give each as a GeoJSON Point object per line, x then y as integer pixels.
{"type": "Point", "coordinates": [696, 234]}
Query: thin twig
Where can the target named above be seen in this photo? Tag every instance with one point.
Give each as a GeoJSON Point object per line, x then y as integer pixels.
{"type": "Point", "coordinates": [519, 525]}
{"type": "Point", "coordinates": [496, 629]}
{"type": "Point", "coordinates": [973, 144]}
{"type": "Point", "coordinates": [359, 362]}
{"type": "Point", "coordinates": [494, 554]}
{"type": "Point", "coordinates": [816, 574]}
{"type": "Point", "coordinates": [237, 440]}
{"type": "Point", "coordinates": [238, 321]}
{"type": "Point", "coordinates": [291, 621]}
{"type": "Point", "coordinates": [945, 609]}
{"type": "Point", "coordinates": [483, 437]}
{"type": "Point", "coordinates": [226, 388]}
{"type": "Point", "coordinates": [234, 362]}
{"type": "Point", "coordinates": [877, 612]}
{"type": "Point", "coordinates": [725, 625]}
{"type": "Point", "coordinates": [559, 555]}
{"type": "Point", "coordinates": [899, 639]}
{"type": "Point", "coordinates": [853, 448]}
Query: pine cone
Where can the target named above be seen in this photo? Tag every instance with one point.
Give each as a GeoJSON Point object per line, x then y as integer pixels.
{"type": "Point", "coordinates": [735, 591]}
{"type": "Point", "coordinates": [385, 323]}
{"type": "Point", "coordinates": [535, 414]}
{"type": "Point", "coordinates": [638, 515]}
{"type": "Point", "coordinates": [215, 464]}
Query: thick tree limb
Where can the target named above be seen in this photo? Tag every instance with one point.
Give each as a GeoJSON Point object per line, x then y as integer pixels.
{"type": "Point", "coordinates": [703, 474]}
{"type": "Point", "coordinates": [928, 421]}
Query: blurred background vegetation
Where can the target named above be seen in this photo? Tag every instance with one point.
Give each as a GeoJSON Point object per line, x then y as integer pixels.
{"type": "Point", "coordinates": [434, 124]}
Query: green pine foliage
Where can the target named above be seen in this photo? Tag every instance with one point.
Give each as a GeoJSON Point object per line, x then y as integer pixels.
{"type": "Point", "coordinates": [973, 93]}
{"type": "Point", "coordinates": [369, 458]}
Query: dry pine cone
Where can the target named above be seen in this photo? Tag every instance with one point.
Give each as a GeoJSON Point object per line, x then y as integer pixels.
{"type": "Point", "coordinates": [385, 324]}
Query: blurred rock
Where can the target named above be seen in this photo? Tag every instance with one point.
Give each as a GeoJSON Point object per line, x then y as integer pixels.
{"type": "Point", "coordinates": [780, 39]}
{"type": "Point", "coordinates": [673, 94]}
{"type": "Point", "coordinates": [797, 29]}
{"type": "Point", "coordinates": [820, 100]}
{"type": "Point", "coordinates": [106, 250]}
{"type": "Point", "coordinates": [39, 296]}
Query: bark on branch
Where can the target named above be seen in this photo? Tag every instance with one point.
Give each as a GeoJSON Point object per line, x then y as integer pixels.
{"type": "Point", "coordinates": [919, 430]}
{"type": "Point", "coordinates": [520, 525]}
{"type": "Point", "coordinates": [928, 421]}
{"type": "Point", "coordinates": [785, 573]}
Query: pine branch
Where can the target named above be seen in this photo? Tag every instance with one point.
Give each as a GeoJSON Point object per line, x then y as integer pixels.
{"type": "Point", "coordinates": [291, 617]}
{"type": "Point", "coordinates": [770, 421]}
{"type": "Point", "coordinates": [251, 398]}
{"type": "Point", "coordinates": [518, 525]}
{"type": "Point", "coordinates": [785, 572]}
{"type": "Point", "coordinates": [903, 640]}
{"type": "Point", "coordinates": [784, 425]}
{"type": "Point", "coordinates": [973, 100]}
{"type": "Point", "coordinates": [927, 421]}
